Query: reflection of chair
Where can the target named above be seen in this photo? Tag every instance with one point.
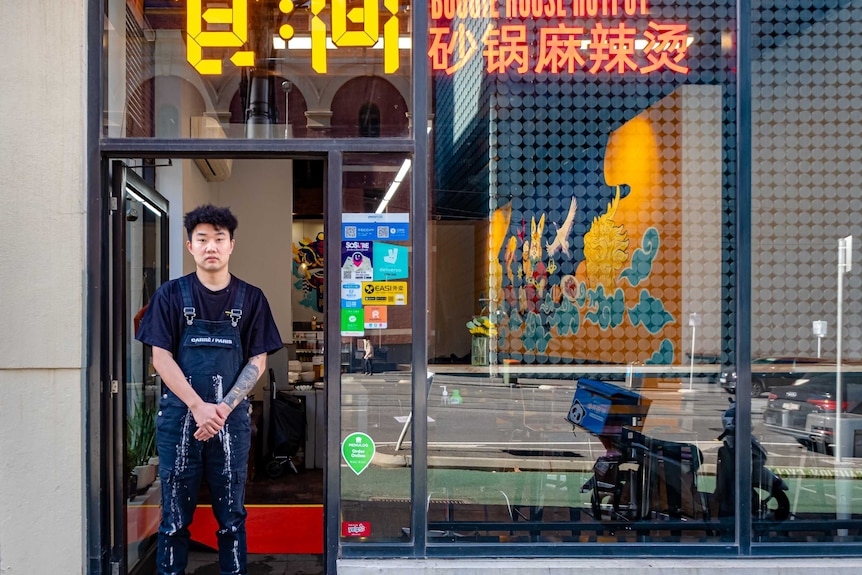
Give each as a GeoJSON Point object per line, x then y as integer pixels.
{"type": "Point", "coordinates": [410, 415]}
{"type": "Point", "coordinates": [508, 505]}
{"type": "Point", "coordinates": [534, 488]}
{"type": "Point", "coordinates": [449, 510]}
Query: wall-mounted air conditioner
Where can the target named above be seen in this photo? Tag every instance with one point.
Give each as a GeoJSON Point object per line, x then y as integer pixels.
{"type": "Point", "coordinates": [213, 169]}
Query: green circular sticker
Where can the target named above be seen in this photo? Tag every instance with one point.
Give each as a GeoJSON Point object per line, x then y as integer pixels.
{"type": "Point", "coordinates": [358, 451]}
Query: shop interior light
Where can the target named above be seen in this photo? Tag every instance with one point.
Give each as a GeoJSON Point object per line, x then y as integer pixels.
{"type": "Point", "coordinates": [404, 43]}
{"type": "Point", "coordinates": [399, 177]}
{"type": "Point", "coordinates": [146, 204]}
{"type": "Point", "coordinates": [304, 43]}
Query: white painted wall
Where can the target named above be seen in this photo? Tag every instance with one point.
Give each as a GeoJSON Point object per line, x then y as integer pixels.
{"type": "Point", "coordinates": [453, 259]}
{"type": "Point", "coordinates": [42, 281]}
{"type": "Point", "coordinates": [260, 194]}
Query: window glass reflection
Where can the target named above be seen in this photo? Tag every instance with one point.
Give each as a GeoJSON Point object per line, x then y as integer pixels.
{"type": "Point", "coordinates": [581, 233]}
{"type": "Point", "coordinates": [262, 69]}
{"type": "Point", "coordinates": [805, 293]}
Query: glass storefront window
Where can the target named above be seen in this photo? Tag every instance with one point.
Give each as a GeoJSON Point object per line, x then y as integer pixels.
{"type": "Point", "coordinates": [581, 235]}
{"type": "Point", "coordinates": [257, 69]}
{"type": "Point", "coordinates": [582, 273]}
{"type": "Point", "coordinates": [376, 348]}
{"type": "Point", "coordinates": [806, 293]}
{"type": "Point", "coordinates": [145, 270]}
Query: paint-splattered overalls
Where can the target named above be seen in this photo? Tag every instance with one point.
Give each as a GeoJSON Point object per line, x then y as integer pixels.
{"type": "Point", "coordinates": [211, 357]}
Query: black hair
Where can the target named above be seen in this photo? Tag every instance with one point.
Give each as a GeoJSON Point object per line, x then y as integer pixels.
{"type": "Point", "coordinates": [219, 218]}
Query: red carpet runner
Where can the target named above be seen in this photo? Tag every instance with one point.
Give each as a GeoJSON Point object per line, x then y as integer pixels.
{"type": "Point", "coordinates": [271, 529]}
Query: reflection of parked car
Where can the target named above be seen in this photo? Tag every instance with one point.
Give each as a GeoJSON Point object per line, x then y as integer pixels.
{"type": "Point", "coordinates": [821, 432]}
{"type": "Point", "coordinates": [789, 407]}
{"type": "Point", "coordinates": [769, 372]}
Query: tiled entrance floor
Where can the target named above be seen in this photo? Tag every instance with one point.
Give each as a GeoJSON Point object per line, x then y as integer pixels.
{"type": "Point", "coordinates": [205, 562]}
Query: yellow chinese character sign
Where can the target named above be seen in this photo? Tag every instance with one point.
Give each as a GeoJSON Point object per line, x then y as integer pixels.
{"type": "Point", "coordinates": [235, 18]}
{"type": "Point", "coordinates": [211, 25]}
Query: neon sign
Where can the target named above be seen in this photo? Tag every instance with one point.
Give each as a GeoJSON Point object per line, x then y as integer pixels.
{"type": "Point", "coordinates": [460, 30]}
{"type": "Point", "coordinates": [343, 32]}
{"type": "Point", "coordinates": [565, 47]}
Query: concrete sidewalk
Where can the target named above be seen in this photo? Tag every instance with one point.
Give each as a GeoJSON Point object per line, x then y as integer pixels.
{"type": "Point", "coordinates": [602, 566]}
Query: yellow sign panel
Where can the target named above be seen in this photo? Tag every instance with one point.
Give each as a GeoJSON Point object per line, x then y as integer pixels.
{"type": "Point", "coordinates": [384, 293]}
{"type": "Point", "coordinates": [225, 24]}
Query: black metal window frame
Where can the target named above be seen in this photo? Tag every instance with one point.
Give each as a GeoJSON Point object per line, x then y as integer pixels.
{"type": "Point", "coordinates": [100, 151]}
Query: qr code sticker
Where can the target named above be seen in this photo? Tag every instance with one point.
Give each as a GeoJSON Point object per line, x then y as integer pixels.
{"type": "Point", "coordinates": [349, 231]}
{"type": "Point", "coordinates": [382, 231]}
{"type": "Point", "coordinates": [346, 274]}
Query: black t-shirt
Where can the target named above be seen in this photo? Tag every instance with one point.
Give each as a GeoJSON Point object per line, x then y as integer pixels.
{"type": "Point", "coordinates": [163, 323]}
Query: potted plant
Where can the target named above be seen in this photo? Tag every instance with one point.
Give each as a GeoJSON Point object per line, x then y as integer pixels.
{"type": "Point", "coordinates": [141, 445]}
{"type": "Point", "coordinates": [481, 329]}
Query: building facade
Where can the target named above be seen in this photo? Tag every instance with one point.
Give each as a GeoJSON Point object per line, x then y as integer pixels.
{"type": "Point", "coordinates": [546, 217]}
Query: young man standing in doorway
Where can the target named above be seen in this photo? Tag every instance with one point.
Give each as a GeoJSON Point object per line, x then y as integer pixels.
{"type": "Point", "coordinates": [211, 333]}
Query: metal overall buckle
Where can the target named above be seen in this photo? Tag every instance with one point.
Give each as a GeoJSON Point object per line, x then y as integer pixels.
{"type": "Point", "coordinates": [235, 316]}
{"type": "Point", "coordinates": [189, 312]}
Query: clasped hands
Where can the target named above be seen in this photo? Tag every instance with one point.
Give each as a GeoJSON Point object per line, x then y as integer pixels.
{"type": "Point", "coordinates": [210, 419]}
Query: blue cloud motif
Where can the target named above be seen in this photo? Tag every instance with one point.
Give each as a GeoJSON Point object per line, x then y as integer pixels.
{"type": "Point", "coordinates": [547, 306]}
{"type": "Point", "coordinates": [565, 318]}
{"type": "Point", "coordinates": [575, 322]}
{"type": "Point", "coordinates": [581, 297]}
{"type": "Point", "coordinates": [535, 336]}
{"type": "Point", "coordinates": [515, 321]}
{"type": "Point", "coordinates": [664, 355]}
{"type": "Point", "coordinates": [643, 258]}
{"type": "Point", "coordinates": [650, 312]}
{"type": "Point", "coordinates": [610, 310]}
{"type": "Point", "coordinates": [309, 299]}
{"type": "Point", "coordinates": [502, 334]}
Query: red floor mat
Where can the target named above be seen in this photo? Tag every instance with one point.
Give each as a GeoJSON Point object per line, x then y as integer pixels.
{"type": "Point", "coordinates": [275, 529]}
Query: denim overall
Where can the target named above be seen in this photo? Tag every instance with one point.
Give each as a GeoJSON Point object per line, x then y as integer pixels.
{"type": "Point", "coordinates": [211, 357]}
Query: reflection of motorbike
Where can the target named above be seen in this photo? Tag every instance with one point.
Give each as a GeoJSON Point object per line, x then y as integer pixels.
{"type": "Point", "coordinates": [768, 498]}
{"type": "Point", "coordinates": [646, 478]}
{"type": "Point", "coordinates": [643, 478]}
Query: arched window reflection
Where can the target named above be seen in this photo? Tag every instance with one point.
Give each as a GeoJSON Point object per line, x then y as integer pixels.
{"type": "Point", "coordinates": [369, 121]}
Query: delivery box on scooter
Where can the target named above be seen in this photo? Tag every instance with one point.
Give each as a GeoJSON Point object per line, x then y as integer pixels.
{"type": "Point", "coordinates": [604, 408]}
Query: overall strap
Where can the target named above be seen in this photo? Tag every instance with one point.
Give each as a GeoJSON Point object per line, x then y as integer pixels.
{"type": "Point", "coordinates": [236, 311]}
{"type": "Point", "coordinates": [188, 302]}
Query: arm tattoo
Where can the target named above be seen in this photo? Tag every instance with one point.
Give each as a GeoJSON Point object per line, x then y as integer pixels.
{"type": "Point", "coordinates": [244, 383]}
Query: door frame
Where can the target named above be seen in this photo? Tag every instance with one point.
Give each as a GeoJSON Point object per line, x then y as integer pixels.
{"type": "Point", "coordinates": [331, 152]}
{"type": "Point", "coordinates": [122, 179]}
{"type": "Point", "coordinates": [109, 337]}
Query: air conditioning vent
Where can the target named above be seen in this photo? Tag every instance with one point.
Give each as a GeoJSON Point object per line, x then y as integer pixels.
{"type": "Point", "coordinates": [213, 169]}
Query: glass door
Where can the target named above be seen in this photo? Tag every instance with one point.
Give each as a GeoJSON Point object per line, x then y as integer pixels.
{"type": "Point", "coordinates": [376, 347]}
{"type": "Point", "coordinates": [279, 249]}
{"type": "Point", "coordinates": [139, 266]}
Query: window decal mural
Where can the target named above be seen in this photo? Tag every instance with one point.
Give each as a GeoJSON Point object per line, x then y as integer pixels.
{"type": "Point", "coordinates": [556, 303]}
{"type": "Point", "coordinates": [308, 269]}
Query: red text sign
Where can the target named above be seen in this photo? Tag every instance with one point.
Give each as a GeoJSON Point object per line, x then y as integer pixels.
{"type": "Point", "coordinates": [498, 30]}
{"type": "Point", "coordinates": [355, 528]}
